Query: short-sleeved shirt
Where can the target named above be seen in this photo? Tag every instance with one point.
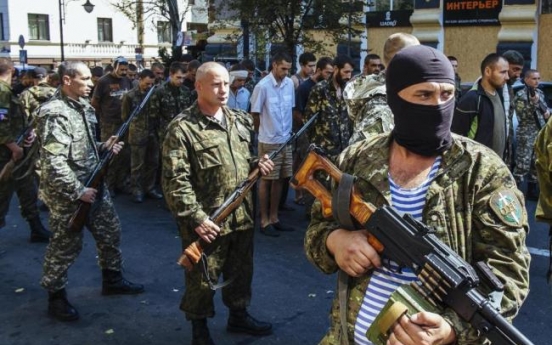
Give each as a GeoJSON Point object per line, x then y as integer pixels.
{"type": "Point", "coordinates": [274, 102]}
{"type": "Point", "coordinates": [109, 93]}
{"type": "Point", "coordinates": [239, 100]}
{"type": "Point", "coordinates": [302, 94]}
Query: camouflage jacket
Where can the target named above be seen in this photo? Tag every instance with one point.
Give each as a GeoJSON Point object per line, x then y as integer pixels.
{"type": "Point", "coordinates": [142, 125]}
{"type": "Point", "coordinates": [202, 165]}
{"type": "Point", "coordinates": [34, 96]}
{"type": "Point", "coordinates": [12, 119]}
{"type": "Point", "coordinates": [332, 129]}
{"type": "Point", "coordinates": [366, 99]}
{"type": "Point", "coordinates": [167, 102]}
{"type": "Point", "coordinates": [473, 182]}
{"type": "Point", "coordinates": [69, 151]}
{"type": "Point", "coordinates": [526, 112]}
{"type": "Point", "coordinates": [543, 165]}
{"type": "Point", "coordinates": [250, 84]}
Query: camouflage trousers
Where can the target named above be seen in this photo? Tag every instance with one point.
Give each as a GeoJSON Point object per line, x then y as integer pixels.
{"type": "Point", "coordinates": [65, 246]}
{"type": "Point", "coordinates": [22, 182]}
{"type": "Point", "coordinates": [525, 159]}
{"type": "Point", "coordinates": [232, 257]}
{"type": "Point", "coordinates": [144, 162]}
{"type": "Point", "coordinates": [118, 173]}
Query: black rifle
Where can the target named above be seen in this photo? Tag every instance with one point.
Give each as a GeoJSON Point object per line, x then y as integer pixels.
{"type": "Point", "coordinates": [195, 251]}
{"type": "Point", "coordinates": [446, 278]}
{"type": "Point", "coordinates": [95, 180]}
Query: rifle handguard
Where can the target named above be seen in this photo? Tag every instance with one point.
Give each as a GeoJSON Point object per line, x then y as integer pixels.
{"type": "Point", "coordinates": [191, 256]}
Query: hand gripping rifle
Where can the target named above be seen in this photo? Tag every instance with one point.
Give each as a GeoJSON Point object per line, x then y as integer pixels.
{"type": "Point", "coordinates": [445, 278]}
{"type": "Point", "coordinates": [95, 180]}
{"type": "Point", "coordinates": [196, 251]}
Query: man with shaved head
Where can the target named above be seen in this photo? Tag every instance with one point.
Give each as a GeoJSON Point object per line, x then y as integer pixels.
{"type": "Point", "coordinates": [205, 155]}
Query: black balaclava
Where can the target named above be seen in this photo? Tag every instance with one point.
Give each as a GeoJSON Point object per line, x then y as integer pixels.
{"type": "Point", "coordinates": [422, 129]}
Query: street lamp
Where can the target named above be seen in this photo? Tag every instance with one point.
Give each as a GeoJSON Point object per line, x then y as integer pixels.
{"type": "Point", "coordinates": [88, 7]}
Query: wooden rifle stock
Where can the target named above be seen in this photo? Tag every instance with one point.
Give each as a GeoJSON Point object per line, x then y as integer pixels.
{"type": "Point", "coordinates": [304, 178]}
{"type": "Point", "coordinates": [95, 180]}
{"type": "Point", "coordinates": [192, 253]}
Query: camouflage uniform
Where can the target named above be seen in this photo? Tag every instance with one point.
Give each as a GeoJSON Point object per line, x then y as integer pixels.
{"type": "Point", "coordinates": [109, 92]}
{"type": "Point", "coordinates": [167, 102]}
{"type": "Point", "coordinates": [472, 181]}
{"type": "Point", "coordinates": [144, 145]}
{"type": "Point", "coordinates": [250, 85]}
{"type": "Point", "coordinates": [69, 155]}
{"type": "Point", "coordinates": [31, 99]}
{"type": "Point", "coordinates": [202, 164]}
{"type": "Point", "coordinates": [332, 129]}
{"type": "Point", "coordinates": [543, 167]}
{"type": "Point", "coordinates": [12, 124]}
{"type": "Point", "coordinates": [526, 133]}
{"type": "Point", "coordinates": [366, 100]}
{"type": "Point", "coordinates": [34, 96]}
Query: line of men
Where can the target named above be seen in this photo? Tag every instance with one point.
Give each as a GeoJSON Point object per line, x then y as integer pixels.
{"type": "Point", "coordinates": [206, 152]}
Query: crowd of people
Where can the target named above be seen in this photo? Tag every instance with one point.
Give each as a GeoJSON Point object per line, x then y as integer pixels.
{"type": "Point", "coordinates": [402, 127]}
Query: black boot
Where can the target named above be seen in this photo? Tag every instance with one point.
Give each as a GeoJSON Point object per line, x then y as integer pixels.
{"type": "Point", "coordinates": [240, 321]}
{"type": "Point", "coordinates": [60, 308]}
{"type": "Point", "coordinates": [38, 232]}
{"type": "Point", "coordinates": [113, 283]}
{"type": "Point", "coordinates": [200, 333]}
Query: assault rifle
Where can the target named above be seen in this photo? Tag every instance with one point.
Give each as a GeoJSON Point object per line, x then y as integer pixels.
{"type": "Point", "coordinates": [95, 180]}
{"type": "Point", "coordinates": [12, 165]}
{"type": "Point", "coordinates": [446, 279]}
{"type": "Point", "coordinates": [195, 251]}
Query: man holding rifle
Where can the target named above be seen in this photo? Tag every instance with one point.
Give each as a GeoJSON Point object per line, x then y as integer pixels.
{"type": "Point", "coordinates": [69, 154]}
{"type": "Point", "coordinates": [205, 156]}
{"type": "Point", "coordinates": [460, 188]}
{"type": "Point", "coordinates": [13, 122]}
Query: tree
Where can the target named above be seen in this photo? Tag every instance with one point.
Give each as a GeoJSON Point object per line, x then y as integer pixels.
{"type": "Point", "coordinates": [141, 11]}
{"type": "Point", "coordinates": [293, 22]}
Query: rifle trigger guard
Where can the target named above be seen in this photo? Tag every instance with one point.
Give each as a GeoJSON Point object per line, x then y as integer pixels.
{"type": "Point", "coordinates": [341, 202]}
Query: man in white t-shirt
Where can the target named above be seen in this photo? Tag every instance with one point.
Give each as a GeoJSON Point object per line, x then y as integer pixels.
{"type": "Point", "coordinates": [271, 106]}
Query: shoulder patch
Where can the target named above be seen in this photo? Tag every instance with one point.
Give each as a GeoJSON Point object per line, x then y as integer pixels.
{"type": "Point", "coordinates": [506, 206]}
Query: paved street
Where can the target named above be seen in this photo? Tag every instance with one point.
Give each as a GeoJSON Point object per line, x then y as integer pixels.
{"type": "Point", "coordinates": [287, 290]}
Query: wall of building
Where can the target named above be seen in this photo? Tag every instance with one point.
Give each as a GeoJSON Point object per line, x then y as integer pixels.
{"type": "Point", "coordinates": [377, 37]}
{"type": "Point", "coordinates": [544, 61]}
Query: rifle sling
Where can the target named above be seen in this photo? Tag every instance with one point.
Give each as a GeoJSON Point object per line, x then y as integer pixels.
{"type": "Point", "coordinates": [341, 202]}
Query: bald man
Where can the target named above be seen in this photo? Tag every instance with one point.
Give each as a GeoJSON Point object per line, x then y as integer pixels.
{"type": "Point", "coordinates": [205, 155]}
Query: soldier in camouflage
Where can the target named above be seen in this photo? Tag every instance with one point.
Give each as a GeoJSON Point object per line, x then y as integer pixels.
{"type": "Point", "coordinates": [12, 124]}
{"type": "Point", "coordinates": [366, 97]}
{"type": "Point", "coordinates": [471, 201]}
{"type": "Point", "coordinates": [35, 95]}
{"type": "Point", "coordinates": [144, 145]}
{"type": "Point", "coordinates": [532, 113]}
{"type": "Point", "coordinates": [205, 156]}
{"type": "Point", "coordinates": [69, 155]}
{"type": "Point", "coordinates": [170, 99]}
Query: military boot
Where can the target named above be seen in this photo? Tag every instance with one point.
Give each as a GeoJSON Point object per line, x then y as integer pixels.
{"type": "Point", "coordinates": [38, 232]}
{"type": "Point", "coordinates": [200, 333]}
{"type": "Point", "coordinates": [240, 321]}
{"type": "Point", "coordinates": [60, 308]}
{"type": "Point", "coordinates": [113, 283]}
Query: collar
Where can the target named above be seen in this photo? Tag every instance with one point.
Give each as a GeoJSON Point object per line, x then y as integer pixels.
{"type": "Point", "coordinates": [203, 121]}
{"type": "Point", "coordinates": [275, 83]}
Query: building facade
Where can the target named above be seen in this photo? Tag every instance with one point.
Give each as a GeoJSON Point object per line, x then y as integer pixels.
{"type": "Point", "coordinates": [96, 37]}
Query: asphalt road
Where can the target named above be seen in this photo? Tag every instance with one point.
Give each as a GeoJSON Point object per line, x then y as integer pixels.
{"type": "Point", "coordinates": [287, 290]}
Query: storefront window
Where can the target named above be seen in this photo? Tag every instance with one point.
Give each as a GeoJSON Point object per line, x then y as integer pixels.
{"type": "Point", "coordinates": [394, 5]}
{"type": "Point", "coordinates": [546, 6]}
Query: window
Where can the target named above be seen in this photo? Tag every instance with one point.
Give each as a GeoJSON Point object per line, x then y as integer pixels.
{"type": "Point", "coordinates": [39, 27]}
{"type": "Point", "coordinates": [164, 32]}
{"type": "Point", "coordinates": [393, 5]}
{"type": "Point", "coordinates": [2, 26]}
{"type": "Point", "coordinates": [105, 30]}
{"type": "Point", "coordinates": [546, 6]}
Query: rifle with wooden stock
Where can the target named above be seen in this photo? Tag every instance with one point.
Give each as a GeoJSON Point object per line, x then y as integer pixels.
{"type": "Point", "coordinates": [195, 251]}
{"type": "Point", "coordinates": [95, 180]}
{"type": "Point", "coordinates": [446, 280]}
